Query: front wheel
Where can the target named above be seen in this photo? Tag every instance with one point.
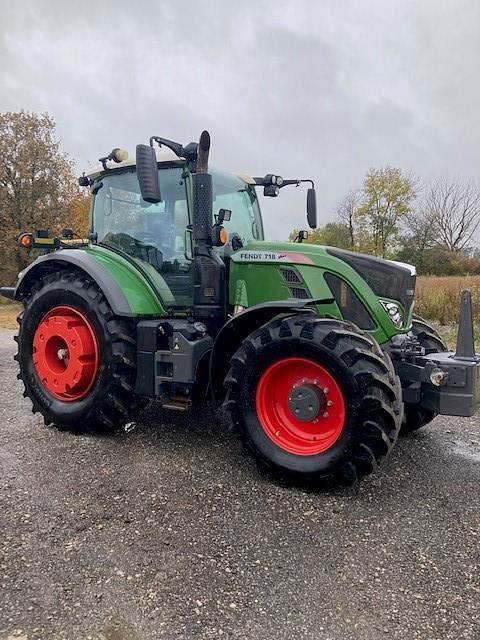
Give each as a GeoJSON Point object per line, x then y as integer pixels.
{"type": "Point", "coordinates": [315, 398]}
{"type": "Point", "coordinates": [77, 360]}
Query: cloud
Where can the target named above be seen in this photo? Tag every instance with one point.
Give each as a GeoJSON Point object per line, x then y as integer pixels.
{"type": "Point", "coordinates": [323, 90]}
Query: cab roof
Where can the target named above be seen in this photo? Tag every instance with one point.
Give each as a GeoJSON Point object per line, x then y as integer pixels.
{"type": "Point", "coordinates": [163, 157]}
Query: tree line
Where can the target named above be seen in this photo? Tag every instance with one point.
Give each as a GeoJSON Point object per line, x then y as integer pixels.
{"type": "Point", "coordinates": [38, 188]}
{"type": "Point", "coordinates": [394, 215]}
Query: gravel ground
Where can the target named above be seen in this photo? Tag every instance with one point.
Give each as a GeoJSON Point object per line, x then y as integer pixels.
{"type": "Point", "coordinates": [169, 531]}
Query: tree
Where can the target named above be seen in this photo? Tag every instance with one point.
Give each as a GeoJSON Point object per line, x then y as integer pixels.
{"type": "Point", "coordinates": [421, 234]}
{"type": "Point", "coordinates": [333, 234]}
{"type": "Point", "coordinates": [386, 198]}
{"type": "Point", "coordinates": [37, 185]}
{"type": "Point", "coordinates": [78, 217]}
{"type": "Point", "coordinates": [454, 208]}
{"type": "Point", "coordinates": [347, 214]}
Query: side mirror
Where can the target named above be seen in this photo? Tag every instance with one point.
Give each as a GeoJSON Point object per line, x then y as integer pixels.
{"type": "Point", "coordinates": [302, 235]}
{"type": "Point", "coordinates": [312, 208]}
{"type": "Point", "coordinates": [147, 173]}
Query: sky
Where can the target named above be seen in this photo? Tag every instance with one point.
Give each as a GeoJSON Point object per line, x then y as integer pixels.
{"type": "Point", "coordinates": [305, 89]}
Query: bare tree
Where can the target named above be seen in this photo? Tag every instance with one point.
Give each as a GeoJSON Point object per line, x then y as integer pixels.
{"type": "Point", "coordinates": [346, 212]}
{"type": "Point", "coordinates": [454, 210]}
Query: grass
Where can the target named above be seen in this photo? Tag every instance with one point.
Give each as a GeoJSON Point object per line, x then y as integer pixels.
{"type": "Point", "coordinates": [437, 298]}
{"type": "Point", "coordinates": [8, 313]}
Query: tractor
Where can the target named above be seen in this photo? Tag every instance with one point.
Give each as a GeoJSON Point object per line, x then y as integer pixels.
{"type": "Point", "coordinates": [175, 296]}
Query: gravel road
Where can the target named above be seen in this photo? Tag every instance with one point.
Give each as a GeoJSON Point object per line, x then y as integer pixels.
{"type": "Point", "coordinates": [169, 531]}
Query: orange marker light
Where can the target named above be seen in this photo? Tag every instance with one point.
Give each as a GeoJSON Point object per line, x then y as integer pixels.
{"type": "Point", "coordinates": [25, 240]}
{"type": "Point", "coordinates": [223, 235]}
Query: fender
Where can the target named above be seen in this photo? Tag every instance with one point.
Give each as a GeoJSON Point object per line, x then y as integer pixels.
{"type": "Point", "coordinates": [233, 332]}
{"type": "Point", "coordinates": [125, 289]}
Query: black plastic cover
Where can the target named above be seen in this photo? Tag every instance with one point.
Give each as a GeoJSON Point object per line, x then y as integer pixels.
{"type": "Point", "coordinates": [350, 305]}
{"type": "Point", "coordinates": [384, 278]}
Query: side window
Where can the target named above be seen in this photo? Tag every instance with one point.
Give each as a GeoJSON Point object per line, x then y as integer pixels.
{"type": "Point", "coordinates": [243, 221]}
{"type": "Point", "coordinates": [151, 233]}
{"type": "Point", "coordinates": [230, 192]}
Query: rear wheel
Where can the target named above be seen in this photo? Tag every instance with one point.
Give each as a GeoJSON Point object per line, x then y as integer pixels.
{"type": "Point", "coordinates": [314, 398]}
{"type": "Point", "coordinates": [77, 360]}
{"type": "Point", "coordinates": [415, 416]}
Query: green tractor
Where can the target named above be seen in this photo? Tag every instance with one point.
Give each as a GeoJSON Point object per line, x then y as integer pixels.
{"type": "Point", "coordinates": [175, 296]}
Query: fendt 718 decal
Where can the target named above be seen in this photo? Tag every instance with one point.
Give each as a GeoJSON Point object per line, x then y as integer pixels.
{"type": "Point", "coordinates": [271, 256]}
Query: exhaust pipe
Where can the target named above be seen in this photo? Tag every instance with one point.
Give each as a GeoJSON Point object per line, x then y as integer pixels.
{"type": "Point", "coordinates": [202, 194]}
{"type": "Point", "coordinates": [209, 298]}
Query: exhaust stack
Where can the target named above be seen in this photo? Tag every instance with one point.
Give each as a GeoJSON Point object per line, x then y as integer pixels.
{"type": "Point", "coordinates": [209, 284]}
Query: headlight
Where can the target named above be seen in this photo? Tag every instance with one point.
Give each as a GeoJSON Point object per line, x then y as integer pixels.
{"type": "Point", "coordinates": [394, 312]}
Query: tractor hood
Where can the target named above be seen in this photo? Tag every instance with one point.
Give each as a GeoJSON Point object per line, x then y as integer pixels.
{"type": "Point", "coordinates": [386, 278]}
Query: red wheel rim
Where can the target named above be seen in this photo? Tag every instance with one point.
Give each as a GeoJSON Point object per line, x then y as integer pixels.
{"type": "Point", "coordinates": [282, 389]}
{"type": "Point", "coordinates": [65, 353]}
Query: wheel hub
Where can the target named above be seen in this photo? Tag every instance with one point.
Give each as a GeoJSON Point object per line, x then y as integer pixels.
{"type": "Point", "coordinates": [300, 406]}
{"type": "Point", "coordinates": [306, 401]}
{"type": "Point", "coordinates": [65, 353]}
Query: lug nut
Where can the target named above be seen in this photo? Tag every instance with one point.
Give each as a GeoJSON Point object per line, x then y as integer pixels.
{"type": "Point", "coordinates": [326, 390]}
{"type": "Point", "coordinates": [329, 403]}
{"type": "Point", "coordinates": [326, 414]}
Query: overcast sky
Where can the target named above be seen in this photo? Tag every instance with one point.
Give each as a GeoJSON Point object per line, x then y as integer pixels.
{"type": "Point", "coordinates": [322, 89]}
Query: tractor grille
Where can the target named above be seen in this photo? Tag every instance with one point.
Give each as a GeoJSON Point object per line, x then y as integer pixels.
{"type": "Point", "coordinates": [299, 292]}
{"type": "Point", "coordinates": [289, 275]}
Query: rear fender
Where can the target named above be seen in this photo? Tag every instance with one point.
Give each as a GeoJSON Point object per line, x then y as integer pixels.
{"type": "Point", "coordinates": [234, 331]}
{"type": "Point", "coordinates": [126, 291]}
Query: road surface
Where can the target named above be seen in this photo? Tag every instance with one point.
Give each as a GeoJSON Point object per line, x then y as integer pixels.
{"type": "Point", "coordinates": [169, 531]}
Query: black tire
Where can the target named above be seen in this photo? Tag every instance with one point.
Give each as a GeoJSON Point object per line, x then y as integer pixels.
{"type": "Point", "coordinates": [111, 401]}
{"type": "Point", "coordinates": [416, 417]}
{"type": "Point", "coordinates": [365, 375]}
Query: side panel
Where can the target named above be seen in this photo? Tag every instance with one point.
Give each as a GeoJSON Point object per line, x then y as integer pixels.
{"type": "Point", "coordinates": [256, 271]}
{"type": "Point", "coordinates": [127, 290]}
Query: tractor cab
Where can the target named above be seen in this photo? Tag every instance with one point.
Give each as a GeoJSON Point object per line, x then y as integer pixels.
{"type": "Point", "coordinates": [159, 235]}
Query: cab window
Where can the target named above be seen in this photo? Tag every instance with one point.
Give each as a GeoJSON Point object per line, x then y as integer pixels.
{"type": "Point", "coordinates": [152, 233]}
{"type": "Point", "coordinates": [234, 194]}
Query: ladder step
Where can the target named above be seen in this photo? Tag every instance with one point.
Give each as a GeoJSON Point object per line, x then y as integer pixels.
{"type": "Point", "coordinates": [177, 403]}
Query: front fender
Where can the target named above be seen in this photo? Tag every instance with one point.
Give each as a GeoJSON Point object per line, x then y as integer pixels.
{"type": "Point", "coordinates": [125, 288]}
{"type": "Point", "coordinates": [240, 326]}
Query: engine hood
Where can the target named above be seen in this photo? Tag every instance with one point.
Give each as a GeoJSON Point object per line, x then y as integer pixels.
{"type": "Point", "coordinates": [386, 278]}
